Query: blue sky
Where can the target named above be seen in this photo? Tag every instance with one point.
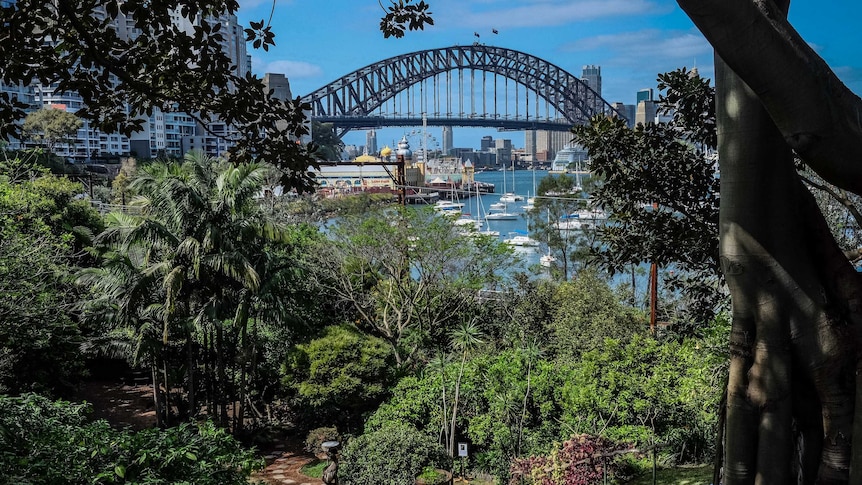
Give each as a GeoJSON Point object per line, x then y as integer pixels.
{"type": "Point", "coordinates": [632, 40]}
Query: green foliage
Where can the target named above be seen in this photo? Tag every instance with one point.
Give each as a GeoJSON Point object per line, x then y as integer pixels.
{"type": "Point", "coordinates": [403, 15]}
{"type": "Point", "coordinates": [79, 52]}
{"type": "Point", "coordinates": [339, 375]}
{"type": "Point", "coordinates": [314, 469]}
{"type": "Point", "coordinates": [329, 146]}
{"type": "Point", "coordinates": [586, 312]}
{"type": "Point", "coordinates": [202, 267]}
{"type": "Point", "coordinates": [49, 126]}
{"type": "Point", "coordinates": [393, 455]}
{"type": "Point", "coordinates": [43, 229]}
{"type": "Point", "coordinates": [43, 441]}
{"type": "Point", "coordinates": [403, 274]}
{"type": "Point", "coordinates": [39, 342]}
{"type": "Point", "coordinates": [517, 402]}
{"type": "Point", "coordinates": [318, 436]}
{"type": "Point", "coordinates": [643, 392]}
{"type": "Point", "coordinates": [659, 186]}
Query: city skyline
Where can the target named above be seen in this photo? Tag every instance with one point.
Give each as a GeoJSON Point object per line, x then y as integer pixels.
{"type": "Point", "coordinates": [631, 40]}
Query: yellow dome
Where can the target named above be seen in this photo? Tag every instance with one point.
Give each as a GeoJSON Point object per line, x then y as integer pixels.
{"type": "Point", "coordinates": [365, 159]}
{"type": "Point", "coordinates": [385, 152]}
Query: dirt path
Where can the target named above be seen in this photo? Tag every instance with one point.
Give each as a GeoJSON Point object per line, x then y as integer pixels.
{"type": "Point", "coordinates": [132, 405]}
{"type": "Point", "coordinates": [283, 465]}
{"type": "Point", "coordinates": [120, 404]}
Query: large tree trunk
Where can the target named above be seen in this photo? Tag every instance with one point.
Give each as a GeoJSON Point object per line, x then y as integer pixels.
{"type": "Point", "coordinates": [796, 318]}
{"type": "Point", "coordinates": [816, 113]}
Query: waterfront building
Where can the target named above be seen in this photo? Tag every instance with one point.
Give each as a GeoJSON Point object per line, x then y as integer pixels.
{"type": "Point", "coordinates": [627, 111]}
{"type": "Point", "coordinates": [23, 94]}
{"type": "Point", "coordinates": [646, 112]}
{"type": "Point", "coordinates": [548, 143]}
{"type": "Point", "coordinates": [530, 144]}
{"type": "Point", "coordinates": [503, 150]}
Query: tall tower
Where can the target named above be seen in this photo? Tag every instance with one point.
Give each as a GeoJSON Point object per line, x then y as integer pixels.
{"type": "Point", "coordinates": [530, 144]}
{"type": "Point", "coordinates": [592, 75]}
{"type": "Point", "coordinates": [447, 140]}
{"type": "Point", "coordinates": [371, 142]}
{"type": "Point", "coordinates": [278, 84]}
{"type": "Point", "coordinates": [645, 94]}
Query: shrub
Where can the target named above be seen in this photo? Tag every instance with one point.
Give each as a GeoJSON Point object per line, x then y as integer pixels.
{"type": "Point", "coordinates": [318, 436]}
{"type": "Point", "coordinates": [582, 460]}
{"type": "Point", "coordinates": [393, 455]}
{"type": "Point", "coordinates": [338, 376]}
{"type": "Point", "coordinates": [43, 441]}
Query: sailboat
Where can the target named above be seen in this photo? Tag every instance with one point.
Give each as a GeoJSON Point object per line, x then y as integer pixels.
{"type": "Point", "coordinates": [510, 196]}
{"type": "Point", "coordinates": [531, 201]}
{"type": "Point", "coordinates": [501, 215]}
{"type": "Point", "coordinates": [548, 260]}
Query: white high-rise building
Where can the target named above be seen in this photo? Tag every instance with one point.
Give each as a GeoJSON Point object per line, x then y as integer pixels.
{"type": "Point", "coordinates": [448, 144]}
{"type": "Point", "coordinates": [164, 133]}
{"type": "Point", "coordinates": [371, 142]}
{"type": "Point", "coordinates": [22, 94]}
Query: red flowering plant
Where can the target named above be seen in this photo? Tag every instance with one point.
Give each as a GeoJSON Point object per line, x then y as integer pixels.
{"type": "Point", "coordinates": [582, 460]}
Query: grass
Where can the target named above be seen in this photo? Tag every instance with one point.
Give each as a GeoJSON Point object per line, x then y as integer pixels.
{"type": "Point", "coordinates": [693, 475]}
{"type": "Point", "coordinates": [314, 469]}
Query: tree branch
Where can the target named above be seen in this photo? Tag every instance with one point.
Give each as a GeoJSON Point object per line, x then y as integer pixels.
{"type": "Point", "coordinates": [816, 113]}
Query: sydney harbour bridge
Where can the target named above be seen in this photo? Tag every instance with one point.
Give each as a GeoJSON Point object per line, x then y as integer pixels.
{"type": "Point", "coordinates": [474, 85]}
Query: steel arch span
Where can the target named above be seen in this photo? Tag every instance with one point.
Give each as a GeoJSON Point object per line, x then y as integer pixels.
{"type": "Point", "coordinates": [351, 101]}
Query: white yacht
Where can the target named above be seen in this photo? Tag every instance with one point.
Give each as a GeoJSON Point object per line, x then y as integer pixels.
{"type": "Point", "coordinates": [501, 215]}
{"type": "Point", "coordinates": [521, 240]}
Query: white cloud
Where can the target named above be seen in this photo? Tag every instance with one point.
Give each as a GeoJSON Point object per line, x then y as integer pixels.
{"type": "Point", "coordinates": [544, 13]}
{"type": "Point", "coordinates": [646, 47]}
{"type": "Point", "coordinates": [291, 69]}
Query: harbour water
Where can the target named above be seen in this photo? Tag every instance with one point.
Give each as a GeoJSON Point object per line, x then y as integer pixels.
{"type": "Point", "coordinates": [523, 186]}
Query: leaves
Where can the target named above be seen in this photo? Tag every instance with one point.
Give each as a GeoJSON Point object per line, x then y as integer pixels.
{"type": "Point", "coordinates": [47, 441]}
{"type": "Point", "coordinates": [404, 15]}
{"type": "Point", "coordinates": [124, 75]}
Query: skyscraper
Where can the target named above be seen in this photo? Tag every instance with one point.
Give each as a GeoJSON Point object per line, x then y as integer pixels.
{"type": "Point", "coordinates": [278, 84]}
{"type": "Point", "coordinates": [371, 142]}
{"type": "Point", "coordinates": [592, 75]}
{"type": "Point", "coordinates": [530, 144]}
{"type": "Point", "coordinates": [447, 140]}
{"type": "Point", "coordinates": [645, 94]}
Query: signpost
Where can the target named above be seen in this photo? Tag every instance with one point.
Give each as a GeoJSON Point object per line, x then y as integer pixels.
{"type": "Point", "coordinates": [462, 452]}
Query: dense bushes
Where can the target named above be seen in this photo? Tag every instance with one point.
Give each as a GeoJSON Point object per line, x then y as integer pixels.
{"type": "Point", "coordinates": [43, 441]}
{"type": "Point", "coordinates": [338, 376]}
{"type": "Point", "coordinates": [515, 404]}
{"type": "Point", "coordinates": [392, 455]}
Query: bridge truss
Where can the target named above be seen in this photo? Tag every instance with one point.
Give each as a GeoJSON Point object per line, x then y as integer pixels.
{"type": "Point", "coordinates": [474, 85]}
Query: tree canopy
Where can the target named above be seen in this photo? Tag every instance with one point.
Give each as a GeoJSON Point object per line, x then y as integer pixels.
{"type": "Point", "coordinates": [74, 46]}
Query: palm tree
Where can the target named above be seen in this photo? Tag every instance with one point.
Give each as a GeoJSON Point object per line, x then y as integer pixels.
{"type": "Point", "coordinates": [464, 339]}
{"type": "Point", "coordinates": [202, 242]}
